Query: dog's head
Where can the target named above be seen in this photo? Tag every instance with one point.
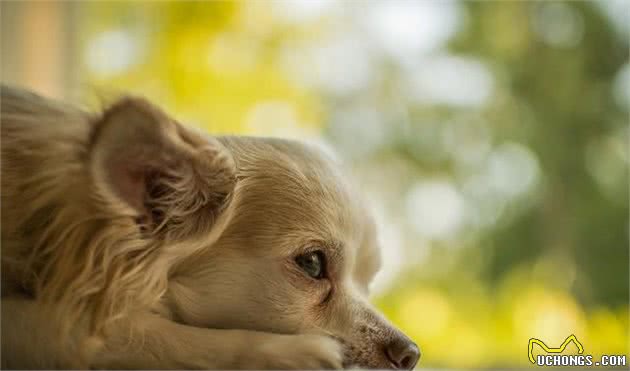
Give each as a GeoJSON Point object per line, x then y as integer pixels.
{"type": "Point", "coordinates": [262, 234]}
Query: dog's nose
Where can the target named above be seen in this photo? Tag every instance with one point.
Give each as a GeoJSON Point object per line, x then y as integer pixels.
{"type": "Point", "coordinates": [403, 354]}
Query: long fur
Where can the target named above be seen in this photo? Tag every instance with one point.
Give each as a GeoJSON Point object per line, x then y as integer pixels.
{"type": "Point", "coordinates": [154, 246]}
{"type": "Point", "coordinates": [89, 260]}
{"type": "Point", "coordinates": [86, 255]}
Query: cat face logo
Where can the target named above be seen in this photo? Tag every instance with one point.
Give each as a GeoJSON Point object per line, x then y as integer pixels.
{"type": "Point", "coordinates": [559, 349]}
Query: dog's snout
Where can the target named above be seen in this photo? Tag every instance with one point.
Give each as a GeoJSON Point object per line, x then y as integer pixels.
{"type": "Point", "coordinates": [403, 354]}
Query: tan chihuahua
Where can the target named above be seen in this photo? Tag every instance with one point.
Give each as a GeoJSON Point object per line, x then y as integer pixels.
{"type": "Point", "coordinates": [132, 241]}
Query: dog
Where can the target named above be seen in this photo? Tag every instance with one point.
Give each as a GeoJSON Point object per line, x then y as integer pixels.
{"type": "Point", "coordinates": [131, 241]}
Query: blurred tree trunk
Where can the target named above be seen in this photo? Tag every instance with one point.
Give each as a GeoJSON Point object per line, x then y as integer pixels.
{"type": "Point", "coordinates": [39, 46]}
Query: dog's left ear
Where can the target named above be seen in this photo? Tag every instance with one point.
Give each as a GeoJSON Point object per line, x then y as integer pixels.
{"type": "Point", "coordinates": [176, 183]}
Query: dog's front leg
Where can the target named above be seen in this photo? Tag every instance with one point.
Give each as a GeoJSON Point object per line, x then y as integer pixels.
{"type": "Point", "coordinates": [158, 343]}
{"type": "Point", "coordinates": [31, 338]}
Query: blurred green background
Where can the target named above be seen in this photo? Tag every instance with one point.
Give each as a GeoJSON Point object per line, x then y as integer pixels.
{"type": "Point", "coordinates": [490, 137]}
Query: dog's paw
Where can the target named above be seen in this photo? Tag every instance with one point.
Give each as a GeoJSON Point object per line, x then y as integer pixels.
{"type": "Point", "coordinates": [304, 351]}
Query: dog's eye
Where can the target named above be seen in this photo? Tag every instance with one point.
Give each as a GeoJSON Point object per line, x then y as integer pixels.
{"type": "Point", "coordinates": [313, 263]}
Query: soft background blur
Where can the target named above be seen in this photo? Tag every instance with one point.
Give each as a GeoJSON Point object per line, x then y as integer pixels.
{"type": "Point", "coordinates": [490, 137]}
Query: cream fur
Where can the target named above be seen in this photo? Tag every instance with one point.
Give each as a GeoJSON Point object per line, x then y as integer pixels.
{"type": "Point", "coordinates": [130, 241]}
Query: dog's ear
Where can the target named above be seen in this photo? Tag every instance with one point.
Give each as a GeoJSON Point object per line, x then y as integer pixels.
{"type": "Point", "coordinates": [175, 182]}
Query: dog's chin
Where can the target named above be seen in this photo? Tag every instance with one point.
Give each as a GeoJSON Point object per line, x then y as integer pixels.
{"type": "Point", "coordinates": [352, 363]}
{"type": "Point", "coordinates": [356, 366]}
